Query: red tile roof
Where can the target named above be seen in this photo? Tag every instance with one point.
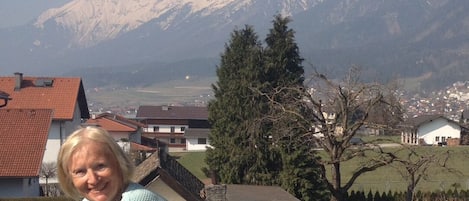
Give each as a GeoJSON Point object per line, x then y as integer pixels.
{"type": "Point", "coordinates": [116, 123]}
{"type": "Point", "coordinates": [62, 95]}
{"type": "Point", "coordinates": [139, 147]}
{"type": "Point", "coordinates": [173, 112]}
{"type": "Point", "coordinates": [23, 138]}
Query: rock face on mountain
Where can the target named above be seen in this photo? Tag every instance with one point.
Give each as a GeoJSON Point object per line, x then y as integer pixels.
{"type": "Point", "coordinates": [397, 38]}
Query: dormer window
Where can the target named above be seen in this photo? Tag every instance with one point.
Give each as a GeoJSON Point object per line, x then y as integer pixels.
{"type": "Point", "coordinates": [44, 82]}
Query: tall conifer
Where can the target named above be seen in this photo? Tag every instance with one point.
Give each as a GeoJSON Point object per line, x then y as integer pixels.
{"type": "Point", "coordinates": [249, 146]}
{"type": "Point", "coordinates": [237, 137]}
{"type": "Point", "coordinates": [300, 173]}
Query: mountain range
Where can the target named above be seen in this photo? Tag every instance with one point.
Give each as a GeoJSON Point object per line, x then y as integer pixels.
{"type": "Point", "coordinates": [140, 42]}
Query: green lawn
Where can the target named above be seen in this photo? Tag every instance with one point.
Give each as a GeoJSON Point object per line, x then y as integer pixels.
{"type": "Point", "coordinates": [193, 161]}
{"type": "Point", "coordinates": [389, 179]}
{"type": "Point", "coordinates": [383, 179]}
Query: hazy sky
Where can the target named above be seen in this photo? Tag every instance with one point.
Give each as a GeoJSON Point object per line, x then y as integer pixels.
{"type": "Point", "coordinates": [20, 12]}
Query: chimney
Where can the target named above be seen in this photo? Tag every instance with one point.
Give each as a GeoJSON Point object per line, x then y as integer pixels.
{"type": "Point", "coordinates": [214, 177]}
{"type": "Point", "coordinates": [18, 81]}
{"type": "Point", "coordinates": [215, 193]}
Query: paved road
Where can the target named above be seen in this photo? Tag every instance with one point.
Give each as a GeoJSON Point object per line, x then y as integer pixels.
{"type": "Point", "coordinates": [390, 145]}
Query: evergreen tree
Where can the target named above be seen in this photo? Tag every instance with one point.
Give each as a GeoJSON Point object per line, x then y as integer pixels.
{"type": "Point", "coordinates": [300, 173]}
{"type": "Point", "coordinates": [369, 196]}
{"type": "Point", "coordinates": [377, 196]}
{"type": "Point", "coordinates": [241, 150]}
{"type": "Point", "coordinates": [249, 146]}
{"type": "Point", "coordinates": [283, 59]}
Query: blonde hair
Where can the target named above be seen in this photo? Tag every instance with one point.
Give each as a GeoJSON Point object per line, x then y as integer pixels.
{"type": "Point", "coordinates": [82, 136]}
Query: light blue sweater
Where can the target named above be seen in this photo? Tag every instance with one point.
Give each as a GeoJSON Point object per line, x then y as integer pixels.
{"type": "Point", "coordinates": [136, 192]}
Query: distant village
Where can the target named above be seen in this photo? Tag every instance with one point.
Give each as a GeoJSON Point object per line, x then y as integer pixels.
{"type": "Point", "coordinates": [450, 102]}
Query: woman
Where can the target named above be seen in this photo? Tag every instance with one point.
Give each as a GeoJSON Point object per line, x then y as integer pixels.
{"type": "Point", "coordinates": [92, 166]}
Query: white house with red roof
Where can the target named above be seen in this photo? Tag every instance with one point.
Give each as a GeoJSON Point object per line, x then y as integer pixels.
{"type": "Point", "coordinates": [181, 128]}
{"type": "Point", "coordinates": [65, 96]}
{"type": "Point", "coordinates": [118, 126]}
{"type": "Point", "coordinates": [126, 132]}
{"type": "Point", "coordinates": [23, 137]}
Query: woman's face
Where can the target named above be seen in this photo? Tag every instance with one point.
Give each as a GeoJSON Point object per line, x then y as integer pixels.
{"type": "Point", "coordinates": [95, 172]}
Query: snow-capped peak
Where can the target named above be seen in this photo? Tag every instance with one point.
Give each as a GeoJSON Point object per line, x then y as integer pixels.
{"type": "Point", "coordinates": [92, 21]}
{"type": "Point", "coordinates": [97, 20]}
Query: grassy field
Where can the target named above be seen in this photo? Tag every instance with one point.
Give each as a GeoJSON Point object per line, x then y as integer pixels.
{"type": "Point", "coordinates": [384, 179]}
{"type": "Point", "coordinates": [171, 92]}
{"type": "Point", "coordinates": [389, 179]}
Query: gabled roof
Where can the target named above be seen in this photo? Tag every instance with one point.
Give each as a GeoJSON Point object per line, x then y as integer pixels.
{"type": "Point", "coordinates": [116, 123]}
{"type": "Point", "coordinates": [175, 176]}
{"type": "Point", "coordinates": [418, 121]}
{"type": "Point", "coordinates": [144, 169]}
{"type": "Point", "coordinates": [60, 94]}
{"type": "Point", "coordinates": [23, 138]}
{"type": "Point", "coordinates": [172, 112]}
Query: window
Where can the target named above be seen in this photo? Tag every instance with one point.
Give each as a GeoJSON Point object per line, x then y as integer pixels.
{"type": "Point", "coordinates": [156, 128]}
{"type": "Point", "coordinates": [183, 129]}
{"type": "Point", "coordinates": [201, 140]}
{"type": "Point", "coordinates": [172, 129]}
{"type": "Point", "coordinates": [183, 141]}
{"type": "Point", "coordinates": [172, 140]}
{"type": "Point", "coordinates": [437, 138]}
{"type": "Point", "coordinates": [443, 139]}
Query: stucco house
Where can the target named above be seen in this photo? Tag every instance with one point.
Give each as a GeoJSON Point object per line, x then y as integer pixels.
{"type": "Point", "coordinates": [430, 130]}
{"type": "Point", "coordinates": [23, 138]}
{"type": "Point", "coordinates": [65, 96]}
{"type": "Point", "coordinates": [168, 125]}
{"type": "Point", "coordinates": [118, 126]}
{"type": "Point", "coordinates": [197, 139]}
{"type": "Point", "coordinates": [126, 132]}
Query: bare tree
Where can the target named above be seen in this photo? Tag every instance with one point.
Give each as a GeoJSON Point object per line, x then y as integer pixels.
{"type": "Point", "coordinates": [331, 112]}
{"type": "Point", "coordinates": [48, 170]}
{"type": "Point", "coordinates": [414, 166]}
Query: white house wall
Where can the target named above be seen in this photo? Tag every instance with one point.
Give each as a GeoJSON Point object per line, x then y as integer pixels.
{"type": "Point", "coordinates": [192, 145]}
{"type": "Point", "coordinates": [440, 128]}
{"type": "Point", "coordinates": [53, 143]}
{"type": "Point", "coordinates": [119, 135]}
{"type": "Point", "coordinates": [19, 187]}
{"type": "Point", "coordinates": [165, 128]}
{"type": "Point", "coordinates": [58, 132]}
{"type": "Point", "coordinates": [71, 126]}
